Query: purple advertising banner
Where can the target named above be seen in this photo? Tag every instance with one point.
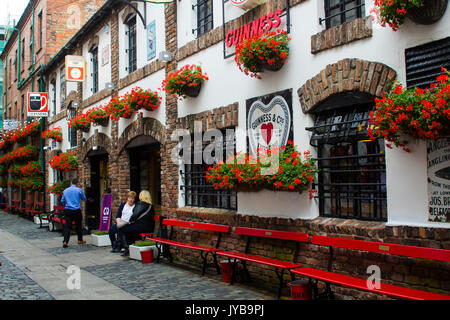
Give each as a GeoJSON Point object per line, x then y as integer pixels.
{"type": "Point", "coordinates": [105, 215]}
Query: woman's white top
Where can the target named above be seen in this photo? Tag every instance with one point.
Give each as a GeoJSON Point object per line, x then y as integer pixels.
{"type": "Point", "coordinates": [127, 212]}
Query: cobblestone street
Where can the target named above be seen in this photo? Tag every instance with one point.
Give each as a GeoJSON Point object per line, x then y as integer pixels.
{"type": "Point", "coordinates": [34, 267]}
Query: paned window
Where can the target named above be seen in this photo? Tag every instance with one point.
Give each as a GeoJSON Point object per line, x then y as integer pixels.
{"type": "Point", "coordinates": [204, 16]}
{"type": "Point", "coordinates": [339, 11]}
{"type": "Point", "coordinates": [131, 32]}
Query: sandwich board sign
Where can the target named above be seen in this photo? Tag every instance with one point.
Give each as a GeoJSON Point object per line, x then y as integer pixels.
{"type": "Point", "coordinates": [37, 104]}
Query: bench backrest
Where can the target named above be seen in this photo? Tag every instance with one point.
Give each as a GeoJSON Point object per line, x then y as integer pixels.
{"type": "Point", "coordinates": [196, 225]}
{"type": "Point", "coordinates": [275, 234]}
{"type": "Point", "coordinates": [380, 247]}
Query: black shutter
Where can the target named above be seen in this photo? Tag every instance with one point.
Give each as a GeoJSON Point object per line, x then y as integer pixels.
{"type": "Point", "coordinates": [423, 63]}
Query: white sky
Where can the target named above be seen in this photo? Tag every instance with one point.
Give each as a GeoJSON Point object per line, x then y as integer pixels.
{"type": "Point", "coordinates": [14, 7]}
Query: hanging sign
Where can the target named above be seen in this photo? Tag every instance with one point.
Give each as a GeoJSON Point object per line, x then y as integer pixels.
{"type": "Point", "coordinates": [438, 156]}
{"type": "Point", "coordinates": [37, 104]}
{"type": "Point", "coordinates": [10, 124]}
{"type": "Point", "coordinates": [269, 121]}
{"type": "Point", "coordinates": [151, 40]}
{"type": "Point", "coordinates": [75, 68]}
{"type": "Point", "coordinates": [105, 215]}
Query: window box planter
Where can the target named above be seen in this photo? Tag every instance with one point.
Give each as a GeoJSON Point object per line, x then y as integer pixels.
{"type": "Point", "coordinates": [101, 240]}
{"type": "Point", "coordinates": [429, 12]}
{"type": "Point", "coordinates": [135, 251]}
{"type": "Point", "coordinates": [184, 82]}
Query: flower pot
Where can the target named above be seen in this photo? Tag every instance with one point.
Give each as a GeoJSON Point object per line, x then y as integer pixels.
{"type": "Point", "coordinates": [135, 251]}
{"type": "Point", "coordinates": [277, 65]}
{"type": "Point", "coordinates": [102, 122]}
{"type": "Point", "coordinates": [429, 12]}
{"type": "Point", "coordinates": [193, 91]}
{"type": "Point", "coordinates": [37, 220]}
{"type": "Point", "coordinates": [100, 241]}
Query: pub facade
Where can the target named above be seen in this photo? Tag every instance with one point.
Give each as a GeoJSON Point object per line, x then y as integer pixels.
{"type": "Point", "coordinates": [320, 99]}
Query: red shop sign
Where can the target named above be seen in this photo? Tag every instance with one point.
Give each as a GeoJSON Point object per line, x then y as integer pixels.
{"type": "Point", "coordinates": [257, 26]}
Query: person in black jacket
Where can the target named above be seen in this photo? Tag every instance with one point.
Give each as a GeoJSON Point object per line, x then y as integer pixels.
{"type": "Point", "coordinates": [142, 221]}
{"type": "Point", "coordinates": [123, 216]}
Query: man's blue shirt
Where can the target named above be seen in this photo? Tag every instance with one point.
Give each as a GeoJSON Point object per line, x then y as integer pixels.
{"type": "Point", "coordinates": [71, 198]}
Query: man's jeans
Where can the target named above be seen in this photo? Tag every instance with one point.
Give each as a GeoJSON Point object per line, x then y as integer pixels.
{"type": "Point", "coordinates": [69, 216]}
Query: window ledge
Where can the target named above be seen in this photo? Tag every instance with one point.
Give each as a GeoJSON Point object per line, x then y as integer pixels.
{"type": "Point", "coordinates": [201, 211]}
{"type": "Point", "coordinates": [347, 32]}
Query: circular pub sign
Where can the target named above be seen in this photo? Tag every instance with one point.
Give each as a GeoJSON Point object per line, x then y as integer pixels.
{"type": "Point", "coordinates": [268, 125]}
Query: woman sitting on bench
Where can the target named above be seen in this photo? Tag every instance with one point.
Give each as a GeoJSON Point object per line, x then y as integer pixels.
{"type": "Point", "coordinates": [142, 221]}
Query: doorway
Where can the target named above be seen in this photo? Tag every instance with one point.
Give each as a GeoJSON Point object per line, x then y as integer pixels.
{"type": "Point", "coordinates": [145, 169]}
{"type": "Point", "coordinates": [99, 186]}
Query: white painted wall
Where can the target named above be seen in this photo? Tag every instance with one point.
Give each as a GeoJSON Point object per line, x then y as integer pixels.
{"type": "Point", "coordinates": [104, 71]}
{"type": "Point", "coordinates": [154, 12]}
{"type": "Point", "coordinates": [406, 172]}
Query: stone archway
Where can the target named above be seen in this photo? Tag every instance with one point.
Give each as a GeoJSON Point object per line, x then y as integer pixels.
{"type": "Point", "coordinates": [343, 76]}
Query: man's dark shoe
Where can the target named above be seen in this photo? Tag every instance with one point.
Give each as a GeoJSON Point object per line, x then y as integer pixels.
{"type": "Point", "coordinates": [125, 253]}
{"type": "Point", "coordinates": [115, 250]}
{"type": "Point", "coordinates": [65, 244]}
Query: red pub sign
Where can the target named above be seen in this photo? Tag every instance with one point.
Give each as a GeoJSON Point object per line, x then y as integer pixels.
{"type": "Point", "coordinates": [260, 25]}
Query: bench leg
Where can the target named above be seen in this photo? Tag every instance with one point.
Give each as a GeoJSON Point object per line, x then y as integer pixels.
{"type": "Point", "coordinates": [158, 257]}
{"type": "Point", "coordinates": [204, 257]}
{"type": "Point", "coordinates": [247, 274]}
{"type": "Point", "coordinates": [216, 263]}
{"type": "Point", "coordinates": [280, 277]}
{"type": "Point", "coordinates": [233, 270]}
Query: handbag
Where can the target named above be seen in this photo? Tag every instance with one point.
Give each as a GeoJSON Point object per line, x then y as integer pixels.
{"type": "Point", "coordinates": [122, 224]}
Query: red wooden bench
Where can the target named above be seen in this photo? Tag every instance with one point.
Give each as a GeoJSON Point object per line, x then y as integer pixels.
{"type": "Point", "coordinates": [379, 247]}
{"type": "Point", "coordinates": [205, 251]}
{"type": "Point", "coordinates": [57, 216]}
{"type": "Point", "coordinates": [38, 211]}
{"type": "Point", "coordinates": [277, 264]}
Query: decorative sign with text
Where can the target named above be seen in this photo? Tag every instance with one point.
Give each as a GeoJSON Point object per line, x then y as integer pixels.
{"type": "Point", "coordinates": [37, 104]}
{"type": "Point", "coordinates": [438, 152]}
{"type": "Point", "coordinates": [269, 120]}
{"type": "Point", "coordinates": [105, 215]}
{"type": "Point", "coordinates": [270, 22]}
{"type": "Point", "coordinates": [151, 40]}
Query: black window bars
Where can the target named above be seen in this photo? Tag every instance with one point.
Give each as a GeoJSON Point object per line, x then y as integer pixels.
{"type": "Point", "coordinates": [131, 23]}
{"type": "Point", "coordinates": [198, 192]}
{"type": "Point", "coordinates": [204, 16]}
{"type": "Point", "coordinates": [352, 177]}
{"type": "Point", "coordinates": [339, 11]}
{"type": "Point", "coordinates": [94, 74]}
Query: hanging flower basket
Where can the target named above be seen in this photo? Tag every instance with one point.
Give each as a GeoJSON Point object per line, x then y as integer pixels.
{"type": "Point", "coordinates": [66, 161]}
{"type": "Point", "coordinates": [58, 187]}
{"type": "Point", "coordinates": [80, 122]}
{"type": "Point", "coordinates": [100, 115]}
{"type": "Point", "coordinates": [184, 82]}
{"type": "Point", "coordinates": [192, 91]}
{"type": "Point", "coordinates": [422, 114]}
{"type": "Point", "coordinates": [21, 154]}
{"type": "Point", "coordinates": [292, 172]}
{"type": "Point", "coordinates": [119, 108]}
{"type": "Point", "coordinates": [30, 183]}
{"type": "Point", "coordinates": [267, 51]}
{"type": "Point", "coordinates": [21, 134]}
{"type": "Point", "coordinates": [54, 134]}
{"type": "Point", "coordinates": [392, 13]}
{"type": "Point", "coordinates": [139, 98]}
{"type": "Point", "coordinates": [428, 12]}
{"type": "Point", "coordinates": [31, 169]}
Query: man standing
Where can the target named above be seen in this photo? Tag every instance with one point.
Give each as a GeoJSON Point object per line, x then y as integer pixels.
{"type": "Point", "coordinates": [71, 199]}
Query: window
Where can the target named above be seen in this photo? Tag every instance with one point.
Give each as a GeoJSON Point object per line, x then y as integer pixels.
{"type": "Point", "coordinates": [424, 62]}
{"type": "Point", "coordinates": [131, 24]}
{"type": "Point", "coordinates": [340, 11]}
{"type": "Point", "coordinates": [23, 54]}
{"type": "Point", "coordinates": [62, 87]}
{"type": "Point", "coordinates": [53, 96]}
{"type": "Point", "coordinates": [204, 16]}
{"type": "Point", "coordinates": [40, 28]}
{"type": "Point", "coordinates": [94, 74]}
{"type": "Point", "coordinates": [23, 108]}
{"type": "Point", "coordinates": [72, 133]}
{"type": "Point", "coordinates": [352, 177]}
{"type": "Point", "coordinates": [199, 193]}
